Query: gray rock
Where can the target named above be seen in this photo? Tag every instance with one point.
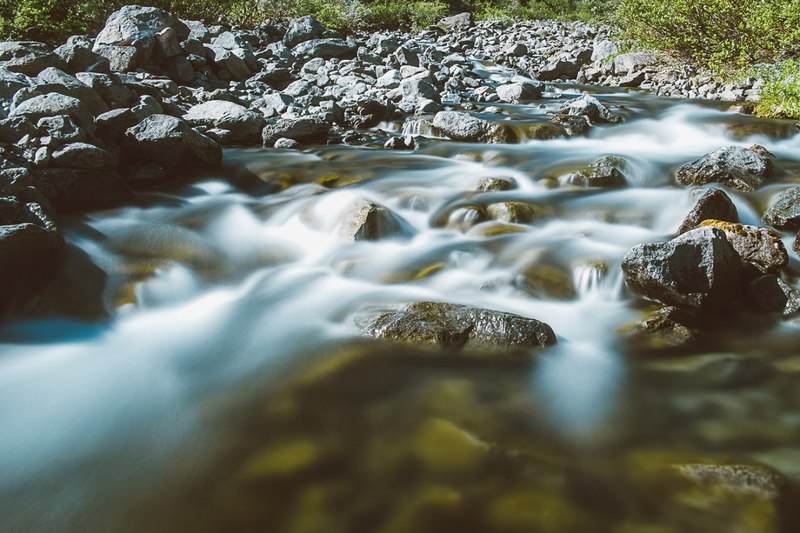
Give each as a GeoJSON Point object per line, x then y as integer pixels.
{"type": "Point", "coordinates": [713, 204]}
{"type": "Point", "coordinates": [198, 30]}
{"type": "Point", "coordinates": [13, 129]}
{"type": "Point", "coordinates": [287, 144]}
{"type": "Point", "coordinates": [770, 294]}
{"type": "Point", "coordinates": [304, 130]}
{"type": "Point", "coordinates": [742, 479]}
{"type": "Point", "coordinates": [460, 21]}
{"type": "Point", "coordinates": [27, 251]}
{"type": "Point", "coordinates": [147, 107]}
{"type": "Point", "coordinates": [604, 172]}
{"type": "Point", "coordinates": [57, 80]}
{"type": "Point", "coordinates": [111, 126]}
{"type": "Point", "coordinates": [303, 29]}
{"type": "Point", "coordinates": [61, 129]}
{"type": "Point", "coordinates": [71, 189]}
{"type": "Point", "coordinates": [368, 221]}
{"type": "Point", "coordinates": [733, 166]}
{"type": "Point", "coordinates": [120, 58]}
{"type": "Point", "coordinates": [670, 327]}
{"type": "Point", "coordinates": [179, 69]}
{"type": "Point", "coordinates": [603, 48]}
{"type": "Point", "coordinates": [113, 92]}
{"type": "Point", "coordinates": [633, 62]}
{"type": "Point", "coordinates": [515, 93]}
{"type": "Point", "coordinates": [464, 127]}
{"type": "Point", "coordinates": [79, 57]}
{"type": "Point", "coordinates": [326, 48]}
{"type": "Point", "coordinates": [225, 59]}
{"type": "Point", "coordinates": [454, 327]}
{"type": "Point", "coordinates": [415, 90]}
{"type": "Point", "coordinates": [53, 104]}
{"type": "Point", "coordinates": [28, 57]}
{"type": "Point", "coordinates": [126, 26]}
{"type": "Point", "coordinates": [784, 211]}
{"type": "Point", "coordinates": [82, 156]}
{"type": "Point", "coordinates": [11, 82]}
{"type": "Point", "coordinates": [245, 125]}
{"type": "Point", "coordinates": [589, 107]}
{"type": "Point", "coordinates": [761, 247]}
{"type": "Point", "coordinates": [561, 69]}
{"type": "Point", "coordinates": [171, 143]}
{"type": "Point", "coordinates": [699, 269]}
{"type": "Point", "coordinates": [167, 44]}
{"type": "Point", "coordinates": [276, 104]}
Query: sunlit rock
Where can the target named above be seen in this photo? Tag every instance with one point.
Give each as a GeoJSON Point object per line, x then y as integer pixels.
{"type": "Point", "coordinates": [460, 126]}
{"type": "Point", "coordinates": [742, 169]}
{"type": "Point", "coordinates": [761, 247]}
{"type": "Point", "coordinates": [368, 221]}
{"type": "Point", "coordinates": [784, 211]}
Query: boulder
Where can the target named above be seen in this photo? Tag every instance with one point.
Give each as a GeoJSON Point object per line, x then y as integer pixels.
{"type": "Point", "coordinates": [368, 221]}
{"type": "Point", "coordinates": [111, 126]}
{"type": "Point", "coordinates": [733, 166]}
{"type": "Point", "coordinates": [589, 107]}
{"type": "Point", "coordinates": [171, 143]}
{"type": "Point", "coordinates": [784, 211]}
{"type": "Point", "coordinates": [712, 204]}
{"type": "Point", "coordinates": [113, 92]}
{"type": "Point", "coordinates": [770, 294]}
{"type": "Point", "coordinates": [76, 189]}
{"type": "Point", "coordinates": [633, 62]}
{"type": "Point", "coordinates": [454, 327]}
{"type": "Point", "coordinates": [28, 57]}
{"type": "Point", "coordinates": [459, 21]}
{"type": "Point", "coordinates": [27, 250]}
{"type": "Point", "coordinates": [82, 156]}
{"type": "Point", "coordinates": [312, 129]}
{"type": "Point", "coordinates": [57, 80]}
{"type": "Point", "coordinates": [11, 82]}
{"type": "Point", "coordinates": [131, 24]}
{"type": "Point", "coordinates": [699, 269]}
{"type": "Point", "coordinates": [326, 48]}
{"type": "Point", "coordinates": [54, 104]}
{"type": "Point", "coordinates": [604, 172]}
{"type": "Point", "coordinates": [761, 247]}
{"type": "Point", "coordinates": [515, 93]}
{"type": "Point", "coordinates": [78, 56]}
{"type": "Point", "coordinates": [13, 129]}
{"type": "Point", "coordinates": [460, 126]}
{"type": "Point", "coordinates": [233, 65]}
{"type": "Point", "coordinates": [120, 58]}
{"type": "Point", "coordinates": [303, 29]}
{"type": "Point", "coordinates": [243, 124]}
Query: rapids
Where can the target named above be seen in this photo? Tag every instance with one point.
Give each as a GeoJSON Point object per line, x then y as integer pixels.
{"type": "Point", "coordinates": [153, 366]}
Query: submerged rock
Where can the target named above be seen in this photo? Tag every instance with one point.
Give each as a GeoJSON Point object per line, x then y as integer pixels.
{"type": "Point", "coordinates": [761, 247]}
{"type": "Point", "coordinates": [460, 126]}
{"type": "Point", "coordinates": [699, 269]}
{"type": "Point", "coordinates": [733, 166]}
{"type": "Point", "coordinates": [454, 326]}
{"type": "Point", "coordinates": [713, 204]}
{"type": "Point", "coordinates": [784, 212]}
{"type": "Point", "coordinates": [670, 327]}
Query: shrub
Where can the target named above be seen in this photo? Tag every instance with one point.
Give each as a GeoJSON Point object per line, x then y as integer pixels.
{"type": "Point", "coordinates": [780, 95]}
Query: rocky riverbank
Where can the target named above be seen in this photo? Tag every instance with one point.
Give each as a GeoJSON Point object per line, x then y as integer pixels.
{"type": "Point", "coordinates": [152, 98]}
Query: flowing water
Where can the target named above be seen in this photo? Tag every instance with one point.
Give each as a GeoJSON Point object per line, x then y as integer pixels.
{"type": "Point", "coordinates": [198, 368]}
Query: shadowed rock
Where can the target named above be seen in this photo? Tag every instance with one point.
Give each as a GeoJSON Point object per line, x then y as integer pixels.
{"type": "Point", "coordinates": [733, 166]}
{"type": "Point", "coordinates": [713, 204]}
{"type": "Point", "coordinates": [784, 212]}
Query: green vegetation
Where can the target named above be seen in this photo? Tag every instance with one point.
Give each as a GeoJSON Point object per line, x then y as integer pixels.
{"type": "Point", "coordinates": [780, 95]}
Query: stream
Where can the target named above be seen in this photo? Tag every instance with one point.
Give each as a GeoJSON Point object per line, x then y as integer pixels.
{"type": "Point", "coordinates": [196, 367]}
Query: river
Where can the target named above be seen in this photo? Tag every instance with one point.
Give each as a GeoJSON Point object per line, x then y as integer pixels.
{"type": "Point", "coordinates": [195, 366]}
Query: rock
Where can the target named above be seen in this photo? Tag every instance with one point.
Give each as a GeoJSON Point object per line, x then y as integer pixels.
{"type": "Point", "coordinates": [28, 57]}
{"type": "Point", "coordinates": [492, 184]}
{"type": "Point", "coordinates": [368, 221]}
{"type": "Point", "coordinates": [589, 107]}
{"type": "Point", "coordinates": [761, 247]}
{"type": "Point", "coordinates": [713, 204]}
{"type": "Point", "coordinates": [699, 269]}
{"type": "Point", "coordinates": [633, 62]}
{"type": "Point", "coordinates": [603, 48]}
{"type": "Point", "coordinates": [171, 143]}
{"type": "Point", "coordinates": [243, 124]}
{"type": "Point", "coordinates": [113, 92]}
{"type": "Point", "coordinates": [547, 282]}
{"type": "Point", "coordinates": [27, 251]}
{"type": "Point", "coordinates": [735, 167]}
{"type": "Point", "coordinates": [234, 66]}
{"type": "Point", "coordinates": [130, 24]}
{"type": "Point", "coordinates": [303, 29]}
{"type": "Point", "coordinates": [770, 294]}
{"type": "Point", "coordinates": [276, 104]}
{"type": "Point", "coordinates": [71, 189]}
{"type": "Point", "coordinates": [442, 446]}
{"type": "Point", "coordinates": [603, 172]}
{"type": "Point", "coordinates": [453, 326]}
{"type": "Point", "coordinates": [515, 93]}
{"type": "Point", "coordinates": [415, 90]}
{"type": "Point", "coordinates": [82, 156]}
{"type": "Point", "coordinates": [460, 21]}
{"type": "Point", "coordinates": [460, 126]}
{"type": "Point", "coordinates": [111, 126]}
{"type": "Point", "coordinates": [305, 130]}
{"type": "Point", "coordinates": [11, 83]}
{"type": "Point", "coordinates": [120, 58]}
{"type": "Point", "coordinates": [751, 479]}
{"type": "Point", "coordinates": [406, 142]}
{"type": "Point", "coordinates": [670, 327]}
{"type": "Point", "coordinates": [57, 80]}
{"type": "Point", "coordinates": [516, 212]}
{"type": "Point", "coordinates": [54, 104]}
{"type": "Point", "coordinates": [560, 69]}
{"type": "Point", "coordinates": [325, 48]}
{"type": "Point", "coordinates": [784, 211]}
{"type": "Point", "coordinates": [286, 144]}
{"type": "Point", "coordinates": [78, 56]}
{"type": "Point", "coordinates": [13, 129]}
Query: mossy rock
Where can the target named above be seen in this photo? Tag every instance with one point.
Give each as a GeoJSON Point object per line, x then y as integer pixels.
{"type": "Point", "coordinates": [440, 445]}
{"type": "Point", "coordinates": [284, 460]}
{"type": "Point", "coordinates": [527, 510]}
{"type": "Point", "coordinates": [426, 511]}
{"type": "Point", "coordinates": [544, 131]}
{"type": "Point", "coordinates": [494, 184]}
{"type": "Point", "coordinates": [518, 212]}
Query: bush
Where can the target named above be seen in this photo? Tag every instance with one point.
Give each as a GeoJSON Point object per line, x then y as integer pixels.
{"type": "Point", "coordinates": [780, 95]}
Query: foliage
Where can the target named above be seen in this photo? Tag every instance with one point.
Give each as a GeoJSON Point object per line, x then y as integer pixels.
{"type": "Point", "coordinates": [714, 33]}
{"type": "Point", "coordinates": [780, 95]}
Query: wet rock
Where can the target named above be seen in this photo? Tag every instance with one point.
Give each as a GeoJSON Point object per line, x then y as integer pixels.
{"type": "Point", "coordinates": [28, 57]}
{"type": "Point", "coordinates": [770, 294]}
{"type": "Point", "coordinates": [283, 460]}
{"type": "Point", "coordinates": [491, 184]}
{"type": "Point", "coordinates": [303, 29]}
{"type": "Point", "coordinates": [515, 93]}
{"type": "Point", "coordinates": [603, 172]}
{"type": "Point", "coordinates": [517, 212]}
{"type": "Point", "coordinates": [751, 479]}
{"type": "Point", "coordinates": [454, 327]}
{"type": "Point", "coordinates": [733, 166]}
{"type": "Point", "coordinates": [712, 204]}
{"type": "Point", "coordinates": [548, 282]}
{"type": "Point", "coordinates": [54, 104]}
{"type": "Point", "coordinates": [243, 124]}
{"type": "Point", "coordinates": [305, 130]}
{"type": "Point", "coordinates": [545, 131]}
{"type": "Point", "coordinates": [670, 327]}
{"type": "Point", "coordinates": [27, 251]}
{"type": "Point", "coordinates": [699, 269]}
{"type": "Point", "coordinates": [406, 142]}
{"type": "Point", "coordinates": [589, 107]}
{"type": "Point", "coordinates": [368, 221]}
{"type": "Point", "coordinates": [72, 189]}
{"type": "Point", "coordinates": [784, 211]}
{"type": "Point", "coordinates": [171, 143]}
{"type": "Point", "coordinates": [761, 247]}
{"type": "Point", "coordinates": [460, 126]}
{"type": "Point", "coordinates": [82, 156]}
{"type": "Point", "coordinates": [443, 446]}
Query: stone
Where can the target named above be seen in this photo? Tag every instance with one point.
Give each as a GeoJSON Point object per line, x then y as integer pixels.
{"type": "Point", "coordinates": [81, 58]}
{"type": "Point", "coordinates": [459, 21]}
{"type": "Point", "coordinates": [368, 221]}
{"type": "Point", "coordinates": [82, 156]}
{"type": "Point", "coordinates": [305, 130]}
{"type": "Point", "coordinates": [784, 211]}
{"type": "Point", "coordinates": [303, 29]}
{"type": "Point", "coordinates": [111, 126]}
{"type": "Point", "coordinates": [28, 57]}
{"type": "Point", "coordinates": [54, 104]}
{"type": "Point", "coordinates": [13, 129]}
{"type": "Point", "coordinates": [11, 83]}
{"type": "Point", "coordinates": [733, 166]}
{"type": "Point", "coordinates": [670, 327]}
{"type": "Point", "coordinates": [57, 80]}
{"type": "Point", "coordinates": [603, 172]}
{"type": "Point", "coordinates": [589, 107]}
{"type": "Point", "coordinates": [515, 93]}
{"type": "Point", "coordinates": [120, 58]}
{"type": "Point", "coordinates": [326, 49]}
{"type": "Point", "coordinates": [454, 327]}
{"type": "Point", "coordinates": [632, 62]}
{"type": "Point", "coordinates": [460, 126]}
{"type": "Point", "coordinates": [751, 479]}
{"type": "Point", "coordinates": [244, 125]}
{"type": "Point", "coordinates": [547, 282]}
{"type": "Point", "coordinates": [566, 69]}
{"type": "Point", "coordinates": [27, 251]}
{"type": "Point", "coordinates": [415, 90]}
{"type": "Point", "coordinates": [712, 204]}
{"type": "Point", "coordinates": [171, 143]}
{"type": "Point", "coordinates": [603, 48]}
{"type": "Point", "coordinates": [233, 65]}
{"type": "Point", "coordinates": [125, 26]}
{"type": "Point", "coordinates": [699, 269]}
{"type": "Point", "coordinates": [761, 247]}
{"type": "Point", "coordinates": [493, 184]}
{"type": "Point", "coordinates": [113, 92]}
{"type": "Point", "coordinates": [75, 189]}
{"type": "Point", "coordinates": [770, 294]}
